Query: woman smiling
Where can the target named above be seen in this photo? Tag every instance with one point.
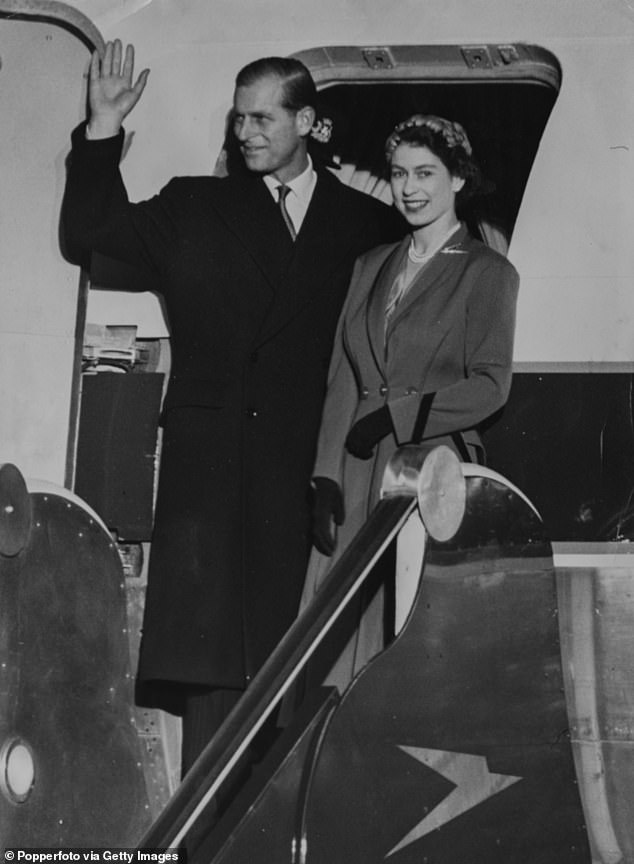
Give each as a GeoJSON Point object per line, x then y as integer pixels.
{"type": "Point", "coordinates": [422, 355]}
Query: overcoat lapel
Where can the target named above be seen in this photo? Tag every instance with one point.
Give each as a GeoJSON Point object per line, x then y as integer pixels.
{"type": "Point", "coordinates": [248, 209]}
{"type": "Point", "coordinates": [305, 279]}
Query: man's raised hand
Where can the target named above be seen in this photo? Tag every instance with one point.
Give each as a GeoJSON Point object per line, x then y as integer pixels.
{"type": "Point", "coordinates": [111, 91]}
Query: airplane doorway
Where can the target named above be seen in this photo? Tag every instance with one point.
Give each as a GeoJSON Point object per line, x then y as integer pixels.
{"type": "Point", "coordinates": [501, 94]}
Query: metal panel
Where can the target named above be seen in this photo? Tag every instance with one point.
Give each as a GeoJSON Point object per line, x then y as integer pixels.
{"type": "Point", "coordinates": [69, 754]}
{"type": "Point", "coordinates": [349, 63]}
{"type": "Point", "coordinates": [452, 744]}
{"type": "Point", "coordinates": [597, 631]}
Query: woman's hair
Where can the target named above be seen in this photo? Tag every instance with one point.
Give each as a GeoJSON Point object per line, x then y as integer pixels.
{"type": "Point", "coordinates": [445, 139]}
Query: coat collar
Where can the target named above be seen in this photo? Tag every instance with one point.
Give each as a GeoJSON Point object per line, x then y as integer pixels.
{"type": "Point", "coordinates": [445, 263]}
{"type": "Point", "coordinates": [438, 272]}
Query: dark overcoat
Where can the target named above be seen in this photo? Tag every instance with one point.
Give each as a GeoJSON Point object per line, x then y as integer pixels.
{"type": "Point", "coordinates": [449, 343]}
{"type": "Point", "coordinates": [252, 317]}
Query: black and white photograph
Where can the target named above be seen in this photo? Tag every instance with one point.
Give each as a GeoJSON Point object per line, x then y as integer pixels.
{"type": "Point", "coordinates": [317, 431]}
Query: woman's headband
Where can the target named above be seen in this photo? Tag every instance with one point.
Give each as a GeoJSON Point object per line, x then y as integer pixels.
{"type": "Point", "coordinates": [452, 133]}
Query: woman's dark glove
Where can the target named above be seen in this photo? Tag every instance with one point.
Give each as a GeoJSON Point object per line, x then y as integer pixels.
{"type": "Point", "coordinates": [327, 508]}
{"type": "Point", "coordinates": [368, 431]}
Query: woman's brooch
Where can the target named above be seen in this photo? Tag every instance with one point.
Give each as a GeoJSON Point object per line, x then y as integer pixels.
{"type": "Point", "coordinates": [453, 250]}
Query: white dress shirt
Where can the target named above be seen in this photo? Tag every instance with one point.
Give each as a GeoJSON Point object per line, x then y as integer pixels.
{"type": "Point", "coordinates": [298, 199]}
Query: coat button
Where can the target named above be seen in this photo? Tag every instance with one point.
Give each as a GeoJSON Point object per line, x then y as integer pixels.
{"type": "Point", "coordinates": [382, 390]}
{"type": "Point", "coordinates": [411, 391]}
{"type": "Point", "coordinates": [364, 393]}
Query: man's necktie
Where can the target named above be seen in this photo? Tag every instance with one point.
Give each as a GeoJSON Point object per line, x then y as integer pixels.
{"type": "Point", "coordinates": [282, 192]}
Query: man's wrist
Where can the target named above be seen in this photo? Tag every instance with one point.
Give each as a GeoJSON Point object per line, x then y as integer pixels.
{"type": "Point", "coordinates": [102, 127]}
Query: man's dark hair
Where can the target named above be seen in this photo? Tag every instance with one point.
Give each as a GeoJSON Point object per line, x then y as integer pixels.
{"type": "Point", "coordinates": [298, 85]}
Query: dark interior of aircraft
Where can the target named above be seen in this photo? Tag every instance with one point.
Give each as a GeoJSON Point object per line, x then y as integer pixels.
{"type": "Point", "coordinates": [503, 121]}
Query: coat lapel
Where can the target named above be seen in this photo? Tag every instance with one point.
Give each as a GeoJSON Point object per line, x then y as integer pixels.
{"type": "Point", "coordinates": [304, 279]}
{"type": "Point", "coordinates": [248, 209]}
{"type": "Point", "coordinates": [428, 285]}
{"type": "Point", "coordinates": [377, 300]}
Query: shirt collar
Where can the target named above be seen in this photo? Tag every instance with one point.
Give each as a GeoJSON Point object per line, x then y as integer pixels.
{"type": "Point", "coordinates": [302, 185]}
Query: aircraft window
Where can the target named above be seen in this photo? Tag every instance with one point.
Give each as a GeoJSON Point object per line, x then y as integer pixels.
{"type": "Point", "coordinates": [503, 96]}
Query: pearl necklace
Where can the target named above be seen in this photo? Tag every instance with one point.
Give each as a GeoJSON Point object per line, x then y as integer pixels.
{"type": "Point", "coordinates": [420, 257]}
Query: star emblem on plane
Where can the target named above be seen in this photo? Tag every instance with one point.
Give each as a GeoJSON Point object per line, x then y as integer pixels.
{"type": "Point", "coordinates": [473, 782]}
